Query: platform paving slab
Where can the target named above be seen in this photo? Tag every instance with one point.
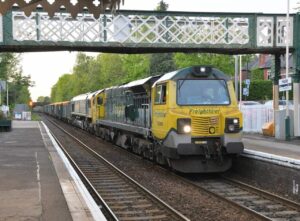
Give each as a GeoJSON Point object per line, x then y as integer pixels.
{"type": "Point", "coordinates": [269, 145]}
{"type": "Point", "coordinates": [30, 187]}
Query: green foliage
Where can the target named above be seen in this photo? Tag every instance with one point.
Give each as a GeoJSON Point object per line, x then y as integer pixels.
{"type": "Point", "coordinates": [9, 65]}
{"type": "Point", "coordinates": [80, 80]}
{"type": "Point", "coordinates": [43, 99]}
{"type": "Point", "coordinates": [35, 117]}
{"type": "Point", "coordinates": [22, 95]}
{"type": "Point", "coordinates": [257, 74]}
{"type": "Point", "coordinates": [111, 70]}
{"type": "Point", "coordinates": [162, 6]}
{"type": "Point", "coordinates": [105, 70]}
{"type": "Point", "coordinates": [11, 71]}
{"type": "Point", "coordinates": [63, 90]}
{"type": "Point", "coordinates": [94, 73]}
{"type": "Point", "coordinates": [223, 62]}
{"type": "Point", "coordinates": [135, 67]}
{"type": "Point", "coordinates": [162, 63]}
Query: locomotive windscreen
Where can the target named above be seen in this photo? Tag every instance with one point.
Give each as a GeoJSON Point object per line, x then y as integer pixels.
{"type": "Point", "coordinates": [202, 92]}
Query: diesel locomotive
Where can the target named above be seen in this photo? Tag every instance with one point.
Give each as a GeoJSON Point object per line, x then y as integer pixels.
{"type": "Point", "coordinates": [187, 119]}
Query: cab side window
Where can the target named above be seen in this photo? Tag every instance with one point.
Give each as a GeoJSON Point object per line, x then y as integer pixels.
{"type": "Point", "coordinates": [161, 94]}
{"type": "Point", "coordinates": [88, 103]}
{"type": "Point", "coordinates": [99, 100]}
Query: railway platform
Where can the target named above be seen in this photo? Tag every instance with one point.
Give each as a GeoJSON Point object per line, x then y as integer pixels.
{"type": "Point", "coordinates": [279, 149]}
{"type": "Point", "coordinates": [35, 183]}
{"type": "Point", "coordinates": [270, 164]}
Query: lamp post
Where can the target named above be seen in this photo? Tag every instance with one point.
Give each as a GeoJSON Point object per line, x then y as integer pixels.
{"type": "Point", "coordinates": [7, 93]}
{"type": "Point", "coordinates": [236, 75]}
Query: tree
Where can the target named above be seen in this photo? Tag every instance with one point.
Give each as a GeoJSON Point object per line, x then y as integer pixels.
{"type": "Point", "coordinates": [19, 88]}
{"type": "Point", "coordinates": [223, 62]}
{"type": "Point", "coordinates": [162, 62]}
{"type": "Point", "coordinates": [9, 65]}
{"type": "Point", "coordinates": [11, 72]}
{"type": "Point", "coordinates": [40, 99]}
{"type": "Point", "coordinates": [63, 89]}
{"type": "Point", "coordinates": [43, 99]}
{"type": "Point", "coordinates": [47, 99]}
{"type": "Point", "coordinates": [162, 6]}
{"type": "Point", "coordinates": [111, 70]}
{"type": "Point", "coordinates": [257, 74]}
{"type": "Point", "coordinates": [81, 72]}
{"type": "Point", "coordinates": [135, 66]}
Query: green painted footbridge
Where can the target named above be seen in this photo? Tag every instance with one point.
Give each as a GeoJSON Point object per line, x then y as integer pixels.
{"type": "Point", "coordinates": [147, 32]}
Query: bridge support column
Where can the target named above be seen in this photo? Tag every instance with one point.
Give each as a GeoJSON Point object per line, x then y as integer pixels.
{"type": "Point", "coordinates": [296, 77]}
{"type": "Point", "coordinates": [276, 81]}
{"type": "Point", "coordinates": [276, 87]}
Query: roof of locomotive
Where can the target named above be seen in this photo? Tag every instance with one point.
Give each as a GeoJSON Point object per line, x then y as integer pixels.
{"type": "Point", "coordinates": [194, 72]}
{"type": "Point", "coordinates": [137, 82]}
{"type": "Point", "coordinates": [93, 94]}
{"type": "Point", "coordinates": [80, 97]}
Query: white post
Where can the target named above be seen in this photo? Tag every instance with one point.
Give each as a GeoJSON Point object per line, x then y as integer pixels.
{"type": "Point", "coordinates": [241, 94]}
{"type": "Point", "coordinates": [6, 93]}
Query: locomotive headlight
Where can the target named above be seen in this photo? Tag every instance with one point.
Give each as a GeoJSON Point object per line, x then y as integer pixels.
{"type": "Point", "coordinates": [187, 129]}
{"type": "Point", "coordinates": [184, 125]}
{"type": "Point", "coordinates": [231, 127]}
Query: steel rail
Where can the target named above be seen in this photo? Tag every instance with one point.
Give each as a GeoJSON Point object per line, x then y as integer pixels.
{"type": "Point", "coordinates": [292, 204]}
{"type": "Point", "coordinates": [235, 204]}
{"type": "Point", "coordinates": [264, 194]}
{"type": "Point", "coordinates": [86, 181]}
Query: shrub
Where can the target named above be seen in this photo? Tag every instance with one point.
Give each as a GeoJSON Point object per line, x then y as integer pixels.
{"type": "Point", "coordinates": [259, 90]}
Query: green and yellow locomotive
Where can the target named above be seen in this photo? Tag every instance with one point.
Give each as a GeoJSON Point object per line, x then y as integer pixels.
{"type": "Point", "coordinates": [187, 119]}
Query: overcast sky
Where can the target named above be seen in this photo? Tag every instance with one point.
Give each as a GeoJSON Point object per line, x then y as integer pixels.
{"type": "Point", "coordinates": [45, 68]}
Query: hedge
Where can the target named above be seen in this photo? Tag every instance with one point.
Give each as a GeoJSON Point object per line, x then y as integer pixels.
{"type": "Point", "coordinates": [259, 90]}
{"type": "Point", "coordinates": [262, 90]}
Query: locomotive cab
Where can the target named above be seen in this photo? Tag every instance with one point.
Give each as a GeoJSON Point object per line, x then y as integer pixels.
{"type": "Point", "coordinates": [196, 119]}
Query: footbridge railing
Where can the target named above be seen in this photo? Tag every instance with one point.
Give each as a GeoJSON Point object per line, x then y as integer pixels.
{"type": "Point", "coordinates": [147, 31]}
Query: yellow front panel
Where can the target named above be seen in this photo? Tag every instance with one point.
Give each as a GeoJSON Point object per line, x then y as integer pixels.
{"type": "Point", "coordinates": [205, 120]}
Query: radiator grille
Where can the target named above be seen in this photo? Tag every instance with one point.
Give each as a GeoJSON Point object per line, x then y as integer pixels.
{"type": "Point", "coordinates": [201, 126]}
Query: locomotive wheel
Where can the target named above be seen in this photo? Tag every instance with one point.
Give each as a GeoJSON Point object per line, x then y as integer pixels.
{"type": "Point", "coordinates": [160, 159]}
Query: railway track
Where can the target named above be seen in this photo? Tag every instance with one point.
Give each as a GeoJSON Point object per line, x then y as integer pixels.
{"type": "Point", "coordinates": [121, 197]}
{"type": "Point", "coordinates": [262, 204]}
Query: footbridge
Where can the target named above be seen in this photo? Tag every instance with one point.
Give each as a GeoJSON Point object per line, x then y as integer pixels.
{"type": "Point", "coordinates": [83, 26]}
{"type": "Point", "coordinates": [147, 32]}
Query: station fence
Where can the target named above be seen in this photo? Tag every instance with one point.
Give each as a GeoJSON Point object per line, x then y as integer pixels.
{"type": "Point", "coordinates": [255, 116]}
